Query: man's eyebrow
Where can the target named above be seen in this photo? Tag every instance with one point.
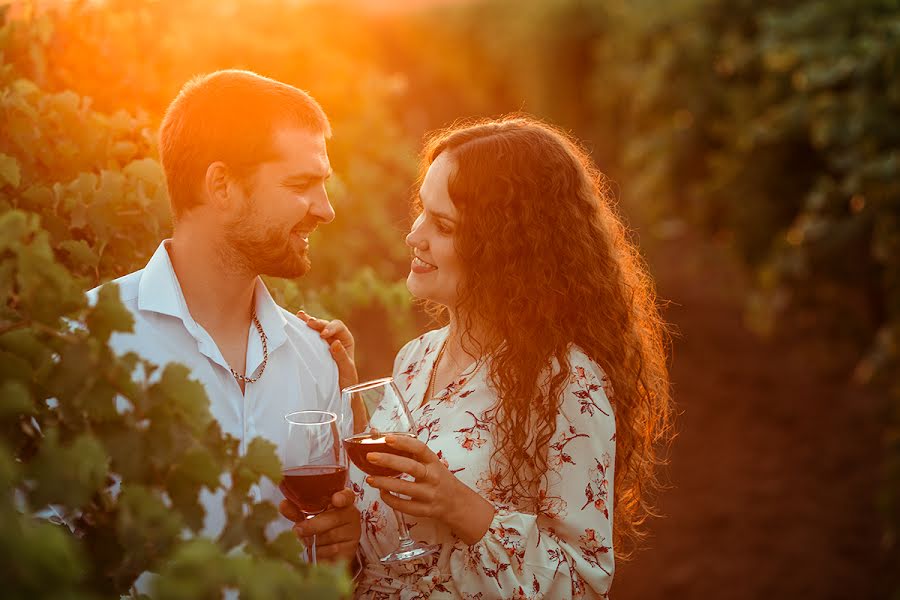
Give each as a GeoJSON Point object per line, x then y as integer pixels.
{"type": "Point", "coordinates": [296, 177]}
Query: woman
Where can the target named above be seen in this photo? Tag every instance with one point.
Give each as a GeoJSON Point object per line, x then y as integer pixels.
{"type": "Point", "coordinates": [544, 403]}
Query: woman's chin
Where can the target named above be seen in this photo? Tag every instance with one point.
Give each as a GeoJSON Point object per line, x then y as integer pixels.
{"type": "Point", "coordinates": [414, 286]}
{"type": "Point", "coordinates": [419, 291]}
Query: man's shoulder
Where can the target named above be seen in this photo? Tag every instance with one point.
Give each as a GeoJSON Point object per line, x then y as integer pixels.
{"type": "Point", "coordinates": [128, 287]}
{"type": "Point", "coordinates": [297, 330]}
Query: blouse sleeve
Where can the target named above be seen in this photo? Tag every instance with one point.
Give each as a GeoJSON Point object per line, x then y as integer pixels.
{"type": "Point", "coordinates": [565, 551]}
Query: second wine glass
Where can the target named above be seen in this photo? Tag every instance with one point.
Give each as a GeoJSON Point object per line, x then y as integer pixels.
{"type": "Point", "coordinates": [315, 465]}
{"type": "Point", "coordinates": [384, 411]}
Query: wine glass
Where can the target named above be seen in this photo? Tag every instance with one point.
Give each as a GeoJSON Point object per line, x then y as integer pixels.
{"type": "Point", "coordinates": [314, 464]}
{"type": "Point", "coordinates": [385, 412]}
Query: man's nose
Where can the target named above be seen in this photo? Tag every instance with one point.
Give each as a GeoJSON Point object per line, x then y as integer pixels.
{"type": "Point", "coordinates": [322, 209]}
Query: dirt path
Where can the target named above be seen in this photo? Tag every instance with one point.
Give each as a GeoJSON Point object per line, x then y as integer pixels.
{"type": "Point", "coordinates": [774, 473]}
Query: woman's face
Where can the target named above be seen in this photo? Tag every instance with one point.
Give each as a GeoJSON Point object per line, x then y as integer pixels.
{"type": "Point", "coordinates": [435, 273]}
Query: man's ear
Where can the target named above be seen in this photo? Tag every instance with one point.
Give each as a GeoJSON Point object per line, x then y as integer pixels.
{"type": "Point", "coordinates": [216, 185]}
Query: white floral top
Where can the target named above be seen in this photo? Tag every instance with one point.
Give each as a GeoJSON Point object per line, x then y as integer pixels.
{"type": "Point", "coordinates": [564, 551]}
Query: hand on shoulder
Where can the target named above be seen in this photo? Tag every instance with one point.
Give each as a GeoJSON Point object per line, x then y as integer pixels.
{"type": "Point", "coordinates": [340, 343]}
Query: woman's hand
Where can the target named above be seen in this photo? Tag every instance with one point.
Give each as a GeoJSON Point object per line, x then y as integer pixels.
{"type": "Point", "coordinates": [340, 342]}
{"type": "Point", "coordinates": [436, 493]}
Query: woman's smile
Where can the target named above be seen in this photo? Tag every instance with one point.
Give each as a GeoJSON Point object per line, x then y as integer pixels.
{"type": "Point", "coordinates": [420, 266]}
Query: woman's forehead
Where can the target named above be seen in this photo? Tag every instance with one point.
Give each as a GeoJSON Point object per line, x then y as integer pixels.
{"type": "Point", "coordinates": [434, 193]}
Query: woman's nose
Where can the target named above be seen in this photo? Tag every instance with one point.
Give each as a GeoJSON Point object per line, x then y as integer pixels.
{"type": "Point", "coordinates": [414, 239]}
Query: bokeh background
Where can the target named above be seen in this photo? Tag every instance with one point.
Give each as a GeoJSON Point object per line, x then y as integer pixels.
{"type": "Point", "coordinates": [754, 148]}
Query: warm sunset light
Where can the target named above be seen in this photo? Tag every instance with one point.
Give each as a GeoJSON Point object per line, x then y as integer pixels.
{"type": "Point", "coordinates": [490, 299]}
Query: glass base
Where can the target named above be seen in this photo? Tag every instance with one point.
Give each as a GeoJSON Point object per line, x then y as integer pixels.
{"type": "Point", "coordinates": [410, 551]}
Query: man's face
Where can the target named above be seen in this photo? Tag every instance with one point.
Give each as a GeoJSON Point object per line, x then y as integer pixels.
{"type": "Point", "coordinates": [285, 201]}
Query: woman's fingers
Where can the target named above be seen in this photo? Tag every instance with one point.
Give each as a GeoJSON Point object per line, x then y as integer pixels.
{"type": "Point", "coordinates": [337, 328]}
{"type": "Point", "coordinates": [412, 446]}
{"type": "Point", "coordinates": [398, 463]}
{"type": "Point", "coordinates": [407, 507]}
{"type": "Point", "coordinates": [347, 374]}
{"type": "Point", "coordinates": [331, 331]}
{"type": "Point", "coordinates": [416, 491]}
{"type": "Point", "coordinates": [312, 322]}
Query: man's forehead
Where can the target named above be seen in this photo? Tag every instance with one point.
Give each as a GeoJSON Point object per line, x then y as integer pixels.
{"type": "Point", "coordinates": [303, 150]}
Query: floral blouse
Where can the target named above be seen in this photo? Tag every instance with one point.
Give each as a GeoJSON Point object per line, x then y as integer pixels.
{"type": "Point", "coordinates": [563, 551]}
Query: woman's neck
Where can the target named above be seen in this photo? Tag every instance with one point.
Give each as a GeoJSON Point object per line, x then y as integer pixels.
{"type": "Point", "coordinates": [463, 346]}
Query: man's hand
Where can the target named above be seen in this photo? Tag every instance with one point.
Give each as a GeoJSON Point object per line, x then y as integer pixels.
{"type": "Point", "coordinates": [340, 342]}
{"type": "Point", "coordinates": [337, 529]}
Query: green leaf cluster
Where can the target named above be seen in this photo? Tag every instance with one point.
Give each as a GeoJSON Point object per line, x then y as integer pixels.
{"type": "Point", "coordinates": [102, 457]}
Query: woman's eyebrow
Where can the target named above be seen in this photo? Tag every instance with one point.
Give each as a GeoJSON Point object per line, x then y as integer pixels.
{"type": "Point", "coordinates": [440, 215]}
{"type": "Point", "coordinates": [434, 213]}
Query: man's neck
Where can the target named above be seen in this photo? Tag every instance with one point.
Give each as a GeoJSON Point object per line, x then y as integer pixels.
{"type": "Point", "coordinates": [219, 296]}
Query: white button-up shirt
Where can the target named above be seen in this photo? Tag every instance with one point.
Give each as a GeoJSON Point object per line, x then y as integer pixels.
{"type": "Point", "coordinates": [300, 374]}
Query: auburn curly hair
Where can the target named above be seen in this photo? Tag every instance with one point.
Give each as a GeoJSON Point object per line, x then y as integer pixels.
{"type": "Point", "coordinates": [547, 264]}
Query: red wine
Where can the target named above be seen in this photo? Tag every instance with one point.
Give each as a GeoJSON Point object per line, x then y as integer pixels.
{"type": "Point", "coordinates": [361, 444]}
{"type": "Point", "coordinates": [311, 487]}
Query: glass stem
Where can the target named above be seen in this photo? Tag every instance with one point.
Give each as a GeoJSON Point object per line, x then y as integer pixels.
{"type": "Point", "coordinates": [311, 549]}
{"type": "Point", "coordinates": [405, 540]}
{"type": "Point", "coordinates": [311, 546]}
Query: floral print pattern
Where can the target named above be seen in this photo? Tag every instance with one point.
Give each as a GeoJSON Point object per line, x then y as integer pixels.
{"type": "Point", "coordinates": [563, 551]}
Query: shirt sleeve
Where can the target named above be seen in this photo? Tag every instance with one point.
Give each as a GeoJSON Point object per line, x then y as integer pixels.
{"type": "Point", "coordinates": [565, 550]}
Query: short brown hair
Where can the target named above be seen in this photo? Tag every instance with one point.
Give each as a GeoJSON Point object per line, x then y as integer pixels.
{"type": "Point", "coordinates": [229, 116]}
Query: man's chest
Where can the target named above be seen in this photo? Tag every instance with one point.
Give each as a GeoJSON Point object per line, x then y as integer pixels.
{"type": "Point", "coordinates": [285, 384]}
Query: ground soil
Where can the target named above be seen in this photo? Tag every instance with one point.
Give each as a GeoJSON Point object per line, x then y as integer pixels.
{"type": "Point", "coordinates": [774, 473]}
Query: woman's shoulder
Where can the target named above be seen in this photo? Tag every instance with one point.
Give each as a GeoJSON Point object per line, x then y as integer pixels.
{"type": "Point", "coordinates": [418, 347]}
{"type": "Point", "coordinates": [579, 358]}
{"type": "Point", "coordinates": [588, 384]}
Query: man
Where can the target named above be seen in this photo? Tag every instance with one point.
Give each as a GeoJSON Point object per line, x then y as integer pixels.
{"type": "Point", "coordinates": [246, 165]}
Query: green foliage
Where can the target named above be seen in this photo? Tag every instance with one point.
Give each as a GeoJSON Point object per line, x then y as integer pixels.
{"type": "Point", "coordinates": [82, 200]}
{"type": "Point", "coordinates": [60, 423]}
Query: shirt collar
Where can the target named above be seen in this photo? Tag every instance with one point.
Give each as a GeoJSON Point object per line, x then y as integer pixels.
{"type": "Point", "coordinates": [270, 316]}
{"type": "Point", "coordinates": [159, 291]}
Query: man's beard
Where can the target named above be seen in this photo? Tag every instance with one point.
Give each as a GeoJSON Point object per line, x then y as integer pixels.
{"type": "Point", "coordinates": [265, 251]}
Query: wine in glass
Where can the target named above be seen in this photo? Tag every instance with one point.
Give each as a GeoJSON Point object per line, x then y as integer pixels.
{"type": "Point", "coordinates": [385, 412]}
{"type": "Point", "coordinates": [315, 465]}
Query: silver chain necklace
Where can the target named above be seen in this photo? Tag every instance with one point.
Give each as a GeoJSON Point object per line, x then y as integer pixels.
{"type": "Point", "coordinates": [262, 367]}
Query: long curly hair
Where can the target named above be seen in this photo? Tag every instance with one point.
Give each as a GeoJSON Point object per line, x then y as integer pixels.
{"type": "Point", "coordinates": [547, 264]}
